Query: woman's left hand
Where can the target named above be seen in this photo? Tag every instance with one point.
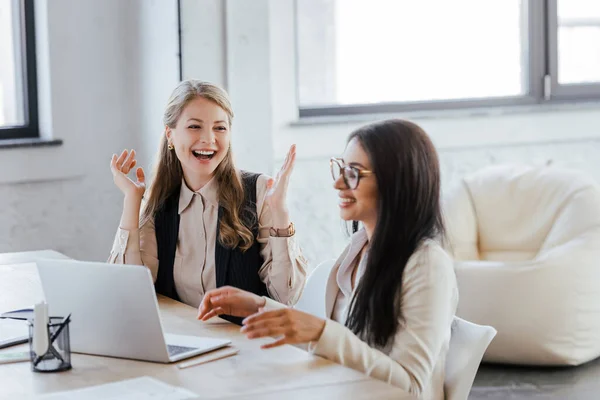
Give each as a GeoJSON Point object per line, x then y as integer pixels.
{"type": "Point", "coordinates": [277, 188]}
{"type": "Point", "coordinates": [292, 325]}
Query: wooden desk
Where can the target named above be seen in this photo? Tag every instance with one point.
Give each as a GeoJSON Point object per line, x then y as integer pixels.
{"type": "Point", "coordinates": [284, 372]}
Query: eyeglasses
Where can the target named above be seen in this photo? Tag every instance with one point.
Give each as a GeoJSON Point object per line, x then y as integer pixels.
{"type": "Point", "coordinates": [349, 173]}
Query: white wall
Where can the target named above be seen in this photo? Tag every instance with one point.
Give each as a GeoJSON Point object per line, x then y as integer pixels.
{"type": "Point", "coordinates": [223, 42]}
{"type": "Point", "coordinates": [569, 136]}
{"type": "Point", "coordinates": [103, 66]}
{"type": "Point", "coordinates": [155, 71]}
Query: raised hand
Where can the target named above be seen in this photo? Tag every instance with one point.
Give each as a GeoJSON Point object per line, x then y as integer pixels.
{"type": "Point", "coordinates": [277, 188]}
{"type": "Point", "coordinates": [121, 166]}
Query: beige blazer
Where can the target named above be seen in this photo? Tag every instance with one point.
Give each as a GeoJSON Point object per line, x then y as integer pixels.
{"type": "Point", "coordinates": [415, 358]}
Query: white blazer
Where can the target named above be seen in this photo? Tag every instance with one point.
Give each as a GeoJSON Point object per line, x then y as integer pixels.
{"type": "Point", "coordinates": [415, 358]}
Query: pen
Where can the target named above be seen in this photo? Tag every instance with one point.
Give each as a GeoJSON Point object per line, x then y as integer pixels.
{"type": "Point", "coordinates": [60, 328]}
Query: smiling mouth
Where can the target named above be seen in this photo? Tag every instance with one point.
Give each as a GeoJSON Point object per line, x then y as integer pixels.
{"type": "Point", "coordinates": [346, 201]}
{"type": "Point", "coordinates": [204, 154]}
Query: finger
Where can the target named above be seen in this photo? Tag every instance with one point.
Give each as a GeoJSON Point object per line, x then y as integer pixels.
{"type": "Point", "coordinates": [263, 324]}
{"type": "Point", "coordinates": [291, 153]}
{"type": "Point", "coordinates": [221, 301]}
{"type": "Point", "coordinates": [212, 313]}
{"type": "Point", "coordinates": [293, 158]}
{"type": "Point", "coordinates": [132, 164]}
{"type": "Point", "coordinates": [130, 157]}
{"type": "Point", "coordinates": [205, 304]}
{"type": "Point", "coordinates": [207, 316]}
{"type": "Point", "coordinates": [287, 172]}
{"type": "Point", "coordinates": [202, 312]}
{"type": "Point", "coordinates": [277, 343]}
{"type": "Point", "coordinates": [271, 331]}
{"type": "Point", "coordinates": [287, 168]}
{"type": "Point", "coordinates": [113, 163]}
{"type": "Point", "coordinates": [140, 175]}
{"type": "Point", "coordinates": [287, 160]}
{"type": "Point", "coordinates": [121, 159]}
{"type": "Point", "coordinates": [263, 316]}
{"type": "Point", "coordinates": [205, 309]}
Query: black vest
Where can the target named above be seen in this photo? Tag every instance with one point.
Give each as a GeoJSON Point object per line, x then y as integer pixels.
{"type": "Point", "coordinates": [233, 267]}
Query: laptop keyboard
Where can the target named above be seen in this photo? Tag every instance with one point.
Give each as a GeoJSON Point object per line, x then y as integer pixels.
{"type": "Point", "coordinates": [175, 350]}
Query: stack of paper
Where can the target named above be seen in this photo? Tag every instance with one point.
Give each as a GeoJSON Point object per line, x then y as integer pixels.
{"type": "Point", "coordinates": [143, 388]}
{"type": "Point", "coordinates": [11, 329]}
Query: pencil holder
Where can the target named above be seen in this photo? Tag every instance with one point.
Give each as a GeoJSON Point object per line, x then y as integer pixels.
{"type": "Point", "coordinates": [58, 355]}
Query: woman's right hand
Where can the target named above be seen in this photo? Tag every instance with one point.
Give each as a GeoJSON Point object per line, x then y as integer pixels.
{"type": "Point", "coordinates": [231, 301]}
{"type": "Point", "coordinates": [120, 167]}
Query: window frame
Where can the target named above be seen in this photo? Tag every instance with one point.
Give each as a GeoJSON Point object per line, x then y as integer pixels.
{"type": "Point", "coordinates": [30, 130]}
{"type": "Point", "coordinates": [571, 91]}
{"type": "Point", "coordinates": [542, 87]}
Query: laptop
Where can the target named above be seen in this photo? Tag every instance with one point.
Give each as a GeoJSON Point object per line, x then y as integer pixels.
{"type": "Point", "coordinates": [114, 312]}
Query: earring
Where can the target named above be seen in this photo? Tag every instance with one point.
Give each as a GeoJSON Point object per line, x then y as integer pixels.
{"type": "Point", "coordinates": [170, 146]}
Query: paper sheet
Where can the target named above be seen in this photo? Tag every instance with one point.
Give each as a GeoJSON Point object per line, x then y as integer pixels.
{"type": "Point", "coordinates": [11, 328]}
{"type": "Point", "coordinates": [143, 388]}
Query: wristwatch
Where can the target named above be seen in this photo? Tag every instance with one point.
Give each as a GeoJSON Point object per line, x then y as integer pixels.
{"type": "Point", "coordinates": [287, 232]}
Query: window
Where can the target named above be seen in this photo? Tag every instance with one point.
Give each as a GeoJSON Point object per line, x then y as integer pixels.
{"type": "Point", "coordinates": [357, 56]}
{"type": "Point", "coordinates": [574, 53]}
{"type": "Point", "coordinates": [18, 91]}
{"type": "Point", "coordinates": [578, 41]}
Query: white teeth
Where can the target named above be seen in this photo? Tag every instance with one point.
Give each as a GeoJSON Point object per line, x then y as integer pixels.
{"type": "Point", "coordinates": [203, 152]}
{"type": "Point", "coordinates": [345, 200]}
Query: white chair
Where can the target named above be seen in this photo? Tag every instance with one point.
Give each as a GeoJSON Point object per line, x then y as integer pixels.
{"type": "Point", "coordinates": [312, 299]}
{"type": "Point", "coordinates": [468, 343]}
{"type": "Point", "coordinates": [526, 244]}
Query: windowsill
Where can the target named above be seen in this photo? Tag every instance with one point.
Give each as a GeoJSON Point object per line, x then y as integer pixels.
{"type": "Point", "coordinates": [456, 129]}
{"type": "Point", "coordinates": [39, 159]}
{"type": "Point", "coordinates": [29, 143]}
{"type": "Point", "coordinates": [452, 114]}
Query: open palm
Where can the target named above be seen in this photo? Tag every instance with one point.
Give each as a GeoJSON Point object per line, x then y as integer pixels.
{"type": "Point", "coordinates": [277, 188]}
{"type": "Point", "coordinates": [120, 167]}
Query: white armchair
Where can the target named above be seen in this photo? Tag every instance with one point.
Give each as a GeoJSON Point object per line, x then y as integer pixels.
{"type": "Point", "coordinates": [527, 247]}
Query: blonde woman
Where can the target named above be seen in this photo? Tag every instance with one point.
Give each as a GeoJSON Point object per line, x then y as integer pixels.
{"type": "Point", "coordinates": [205, 224]}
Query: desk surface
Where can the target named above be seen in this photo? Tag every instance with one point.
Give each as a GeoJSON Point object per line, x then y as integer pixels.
{"type": "Point", "coordinates": [285, 372]}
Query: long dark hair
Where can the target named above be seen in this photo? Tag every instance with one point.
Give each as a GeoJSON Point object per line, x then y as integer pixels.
{"type": "Point", "coordinates": [407, 170]}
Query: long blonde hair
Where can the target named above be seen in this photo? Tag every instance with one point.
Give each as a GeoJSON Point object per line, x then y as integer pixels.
{"type": "Point", "coordinates": [168, 173]}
